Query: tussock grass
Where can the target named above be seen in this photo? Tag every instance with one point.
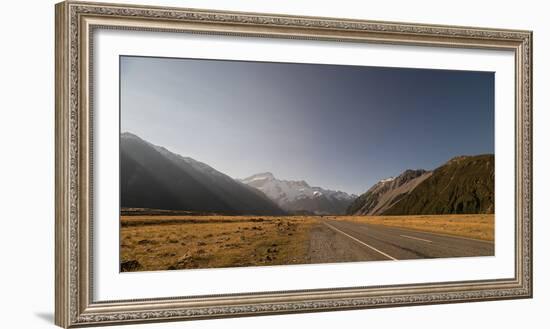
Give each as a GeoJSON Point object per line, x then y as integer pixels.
{"type": "Point", "coordinates": [476, 226]}
{"type": "Point", "coordinates": [150, 243]}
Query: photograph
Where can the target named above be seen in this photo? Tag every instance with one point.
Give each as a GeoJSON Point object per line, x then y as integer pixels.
{"type": "Point", "coordinates": [246, 161]}
{"type": "Point", "coordinates": [231, 162]}
{"type": "Point", "coordinates": [227, 163]}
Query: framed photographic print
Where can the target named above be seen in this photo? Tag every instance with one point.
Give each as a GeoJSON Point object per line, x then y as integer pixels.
{"type": "Point", "coordinates": [218, 164]}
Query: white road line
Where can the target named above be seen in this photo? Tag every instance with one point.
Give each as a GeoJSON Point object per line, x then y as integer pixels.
{"type": "Point", "coordinates": [412, 237]}
{"type": "Point", "coordinates": [361, 242]}
{"type": "Point", "coordinates": [438, 234]}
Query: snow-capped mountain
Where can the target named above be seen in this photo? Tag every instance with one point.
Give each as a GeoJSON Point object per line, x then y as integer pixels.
{"type": "Point", "coordinates": [299, 196]}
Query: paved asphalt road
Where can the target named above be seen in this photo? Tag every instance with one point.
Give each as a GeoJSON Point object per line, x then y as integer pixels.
{"type": "Point", "coordinates": [376, 242]}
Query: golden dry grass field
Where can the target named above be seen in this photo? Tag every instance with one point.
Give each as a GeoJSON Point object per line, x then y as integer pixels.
{"type": "Point", "coordinates": [477, 226]}
{"type": "Point", "coordinates": [177, 242]}
{"type": "Point", "coordinates": [171, 242]}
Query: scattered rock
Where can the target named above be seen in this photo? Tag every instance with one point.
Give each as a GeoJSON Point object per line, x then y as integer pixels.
{"type": "Point", "coordinates": [129, 265]}
{"type": "Point", "coordinates": [272, 250]}
{"type": "Point", "coordinates": [186, 257]}
{"type": "Point", "coordinates": [184, 261]}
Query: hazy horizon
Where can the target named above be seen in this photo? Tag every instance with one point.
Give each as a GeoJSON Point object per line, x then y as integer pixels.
{"type": "Point", "coordinates": [334, 126]}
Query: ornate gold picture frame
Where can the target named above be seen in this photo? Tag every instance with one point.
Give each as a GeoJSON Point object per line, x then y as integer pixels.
{"type": "Point", "coordinates": [76, 22]}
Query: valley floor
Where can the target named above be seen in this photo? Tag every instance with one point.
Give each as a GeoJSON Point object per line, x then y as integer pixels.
{"type": "Point", "coordinates": [170, 242]}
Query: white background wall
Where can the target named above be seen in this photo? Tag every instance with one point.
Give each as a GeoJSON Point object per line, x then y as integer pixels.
{"type": "Point", "coordinates": [27, 163]}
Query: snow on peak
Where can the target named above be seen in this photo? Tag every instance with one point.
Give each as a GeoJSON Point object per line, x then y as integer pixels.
{"type": "Point", "coordinates": [283, 191]}
{"type": "Point", "coordinates": [387, 180]}
{"type": "Point", "coordinates": [258, 177]}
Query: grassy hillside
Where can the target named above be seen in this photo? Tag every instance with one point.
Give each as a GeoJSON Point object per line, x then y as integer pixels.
{"type": "Point", "coordinates": [463, 185]}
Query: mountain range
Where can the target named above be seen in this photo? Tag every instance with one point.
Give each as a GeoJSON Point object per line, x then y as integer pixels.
{"type": "Point", "coordinates": [153, 177]}
{"type": "Point", "coordinates": [463, 185]}
{"type": "Point", "coordinates": [299, 196]}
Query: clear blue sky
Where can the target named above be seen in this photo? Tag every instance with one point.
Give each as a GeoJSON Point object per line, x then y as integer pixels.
{"type": "Point", "coordinates": [334, 126]}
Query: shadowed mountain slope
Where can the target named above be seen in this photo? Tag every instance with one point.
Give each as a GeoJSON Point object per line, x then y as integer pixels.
{"type": "Point", "coordinates": [153, 177]}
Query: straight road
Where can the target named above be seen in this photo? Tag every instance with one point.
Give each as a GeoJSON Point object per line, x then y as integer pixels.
{"type": "Point", "coordinates": [340, 241]}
